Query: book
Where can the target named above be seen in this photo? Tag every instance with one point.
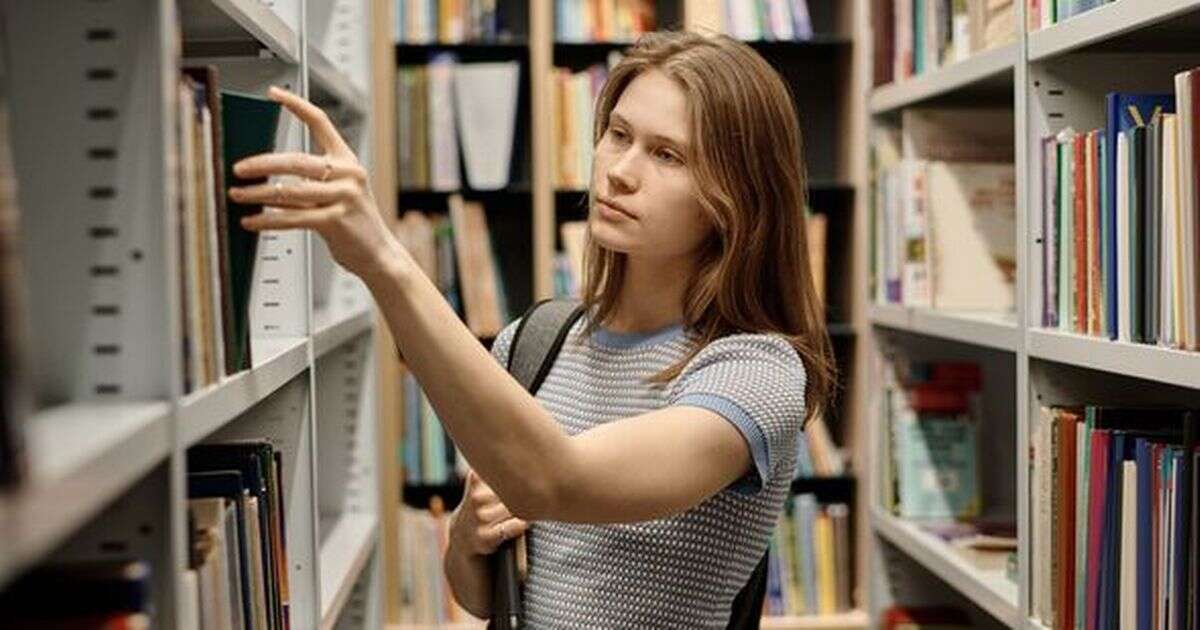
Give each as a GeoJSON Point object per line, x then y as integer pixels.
{"type": "Point", "coordinates": [249, 126]}
{"type": "Point", "coordinates": [16, 400]}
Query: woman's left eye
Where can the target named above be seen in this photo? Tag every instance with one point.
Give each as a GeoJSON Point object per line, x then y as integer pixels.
{"type": "Point", "coordinates": [668, 157]}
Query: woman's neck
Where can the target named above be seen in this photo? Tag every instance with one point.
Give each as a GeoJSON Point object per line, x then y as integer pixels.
{"type": "Point", "coordinates": [651, 295]}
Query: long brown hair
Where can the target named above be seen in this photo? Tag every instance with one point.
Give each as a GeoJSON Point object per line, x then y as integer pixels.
{"type": "Point", "coordinates": [753, 274]}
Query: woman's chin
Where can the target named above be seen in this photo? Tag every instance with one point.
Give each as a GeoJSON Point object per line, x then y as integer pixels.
{"type": "Point", "coordinates": [610, 237]}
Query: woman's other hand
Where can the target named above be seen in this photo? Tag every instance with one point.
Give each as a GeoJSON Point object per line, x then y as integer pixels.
{"type": "Point", "coordinates": [329, 194]}
{"type": "Point", "coordinates": [481, 522]}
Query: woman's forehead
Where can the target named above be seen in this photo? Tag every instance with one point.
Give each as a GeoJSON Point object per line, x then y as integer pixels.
{"type": "Point", "coordinates": [654, 103]}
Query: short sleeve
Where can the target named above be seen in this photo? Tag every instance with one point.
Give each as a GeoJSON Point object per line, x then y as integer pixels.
{"type": "Point", "coordinates": [503, 342]}
{"type": "Point", "coordinates": [757, 383]}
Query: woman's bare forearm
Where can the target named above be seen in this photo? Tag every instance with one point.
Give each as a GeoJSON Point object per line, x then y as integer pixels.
{"type": "Point", "coordinates": [514, 444]}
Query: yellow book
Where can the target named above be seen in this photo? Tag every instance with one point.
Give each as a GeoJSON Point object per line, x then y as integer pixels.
{"type": "Point", "coordinates": [826, 578]}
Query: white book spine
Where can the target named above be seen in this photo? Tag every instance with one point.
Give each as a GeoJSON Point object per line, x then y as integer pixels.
{"type": "Point", "coordinates": [1129, 522]}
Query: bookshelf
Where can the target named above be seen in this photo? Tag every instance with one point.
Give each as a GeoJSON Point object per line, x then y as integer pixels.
{"type": "Point", "coordinates": [108, 444]}
{"type": "Point", "coordinates": [1051, 78]}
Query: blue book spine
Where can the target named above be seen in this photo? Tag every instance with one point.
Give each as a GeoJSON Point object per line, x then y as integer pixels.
{"type": "Point", "coordinates": [412, 431]}
{"type": "Point", "coordinates": [1145, 560]}
{"type": "Point", "coordinates": [1120, 119]}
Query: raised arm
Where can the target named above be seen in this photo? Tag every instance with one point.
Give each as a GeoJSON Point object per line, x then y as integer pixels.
{"type": "Point", "coordinates": [632, 469]}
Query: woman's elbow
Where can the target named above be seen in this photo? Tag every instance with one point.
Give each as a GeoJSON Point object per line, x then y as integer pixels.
{"type": "Point", "coordinates": [541, 499]}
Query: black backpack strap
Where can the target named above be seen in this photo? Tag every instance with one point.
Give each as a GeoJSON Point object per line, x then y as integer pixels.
{"type": "Point", "coordinates": [535, 345]}
{"type": "Point", "coordinates": [539, 337]}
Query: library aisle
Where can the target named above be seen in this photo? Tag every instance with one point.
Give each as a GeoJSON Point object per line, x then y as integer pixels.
{"type": "Point", "coordinates": [203, 427]}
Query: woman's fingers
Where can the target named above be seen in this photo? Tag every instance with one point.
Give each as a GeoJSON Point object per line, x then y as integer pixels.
{"type": "Point", "coordinates": [490, 537]}
{"type": "Point", "coordinates": [315, 118]}
{"type": "Point", "coordinates": [307, 165]}
{"type": "Point", "coordinates": [295, 194]}
{"type": "Point", "coordinates": [492, 512]}
{"type": "Point", "coordinates": [290, 220]}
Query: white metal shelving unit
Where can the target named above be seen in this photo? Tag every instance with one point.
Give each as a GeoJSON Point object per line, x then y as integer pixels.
{"type": "Point", "coordinates": [1057, 76]}
{"type": "Point", "coordinates": [108, 449]}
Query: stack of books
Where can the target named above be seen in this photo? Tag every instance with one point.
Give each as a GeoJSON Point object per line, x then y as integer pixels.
{"type": "Point", "coordinates": [913, 37]}
{"type": "Point", "coordinates": [216, 128]}
{"type": "Point", "coordinates": [753, 20]}
{"type": "Point", "coordinates": [429, 457]}
{"type": "Point", "coordinates": [582, 21]}
{"type": "Point", "coordinates": [808, 569]}
{"type": "Point", "coordinates": [456, 252]}
{"type": "Point", "coordinates": [575, 96]}
{"type": "Point", "coordinates": [1043, 13]}
{"type": "Point", "coordinates": [931, 450]}
{"type": "Point", "coordinates": [1119, 221]}
{"type": "Point", "coordinates": [446, 106]}
{"type": "Point", "coordinates": [236, 537]}
{"type": "Point", "coordinates": [945, 210]}
{"type": "Point", "coordinates": [425, 595]}
{"type": "Point", "coordinates": [446, 21]}
{"type": "Point", "coordinates": [1113, 516]}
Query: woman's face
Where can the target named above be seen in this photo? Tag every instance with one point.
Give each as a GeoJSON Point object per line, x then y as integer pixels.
{"type": "Point", "coordinates": [643, 200]}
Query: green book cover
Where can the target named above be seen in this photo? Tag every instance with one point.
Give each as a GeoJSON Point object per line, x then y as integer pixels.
{"type": "Point", "coordinates": [937, 461]}
{"type": "Point", "coordinates": [249, 123]}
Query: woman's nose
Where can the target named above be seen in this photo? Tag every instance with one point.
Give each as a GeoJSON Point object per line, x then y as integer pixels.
{"type": "Point", "coordinates": [622, 172]}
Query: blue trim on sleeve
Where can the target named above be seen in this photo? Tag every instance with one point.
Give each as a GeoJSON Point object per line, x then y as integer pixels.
{"type": "Point", "coordinates": [749, 429]}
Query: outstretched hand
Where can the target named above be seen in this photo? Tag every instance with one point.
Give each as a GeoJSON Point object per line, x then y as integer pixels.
{"type": "Point", "coordinates": [332, 196]}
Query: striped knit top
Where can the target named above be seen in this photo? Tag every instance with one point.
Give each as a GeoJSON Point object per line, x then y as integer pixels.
{"type": "Point", "coordinates": [681, 571]}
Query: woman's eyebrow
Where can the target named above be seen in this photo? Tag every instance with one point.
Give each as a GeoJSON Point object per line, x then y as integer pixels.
{"type": "Point", "coordinates": [657, 137]}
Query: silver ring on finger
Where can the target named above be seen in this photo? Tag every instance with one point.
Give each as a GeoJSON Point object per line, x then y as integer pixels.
{"type": "Point", "coordinates": [278, 192]}
{"type": "Point", "coordinates": [328, 169]}
{"type": "Point", "coordinates": [503, 533]}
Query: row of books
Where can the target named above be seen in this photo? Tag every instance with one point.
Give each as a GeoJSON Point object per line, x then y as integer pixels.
{"type": "Point", "coordinates": [16, 401]}
{"type": "Point", "coordinates": [575, 96]}
{"type": "Point", "coordinates": [427, 453]}
{"type": "Point", "coordinates": [931, 412]}
{"type": "Point", "coordinates": [425, 595]}
{"type": "Point", "coordinates": [456, 252]}
{"type": "Point", "coordinates": [917, 36]}
{"type": "Point", "coordinates": [445, 104]}
{"type": "Point", "coordinates": [1043, 13]}
{"type": "Point", "coordinates": [754, 20]}
{"type": "Point", "coordinates": [808, 566]}
{"type": "Point", "coordinates": [114, 594]}
{"type": "Point", "coordinates": [237, 561]}
{"type": "Point", "coordinates": [578, 21]}
{"type": "Point", "coordinates": [1114, 517]}
{"type": "Point", "coordinates": [1120, 222]}
{"type": "Point", "coordinates": [945, 210]}
{"type": "Point", "coordinates": [216, 128]}
{"type": "Point", "coordinates": [446, 21]}
{"type": "Point", "coordinates": [817, 455]}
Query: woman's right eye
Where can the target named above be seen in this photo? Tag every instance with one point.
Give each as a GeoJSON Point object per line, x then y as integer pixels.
{"type": "Point", "coordinates": [618, 134]}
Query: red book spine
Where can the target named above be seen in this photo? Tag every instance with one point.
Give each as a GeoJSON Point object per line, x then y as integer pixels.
{"type": "Point", "coordinates": [1099, 473]}
{"type": "Point", "coordinates": [1065, 606]}
{"type": "Point", "coordinates": [1080, 235]}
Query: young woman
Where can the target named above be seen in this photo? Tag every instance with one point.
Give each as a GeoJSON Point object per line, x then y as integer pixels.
{"type": "Point", "coordinates": [654, 462]}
